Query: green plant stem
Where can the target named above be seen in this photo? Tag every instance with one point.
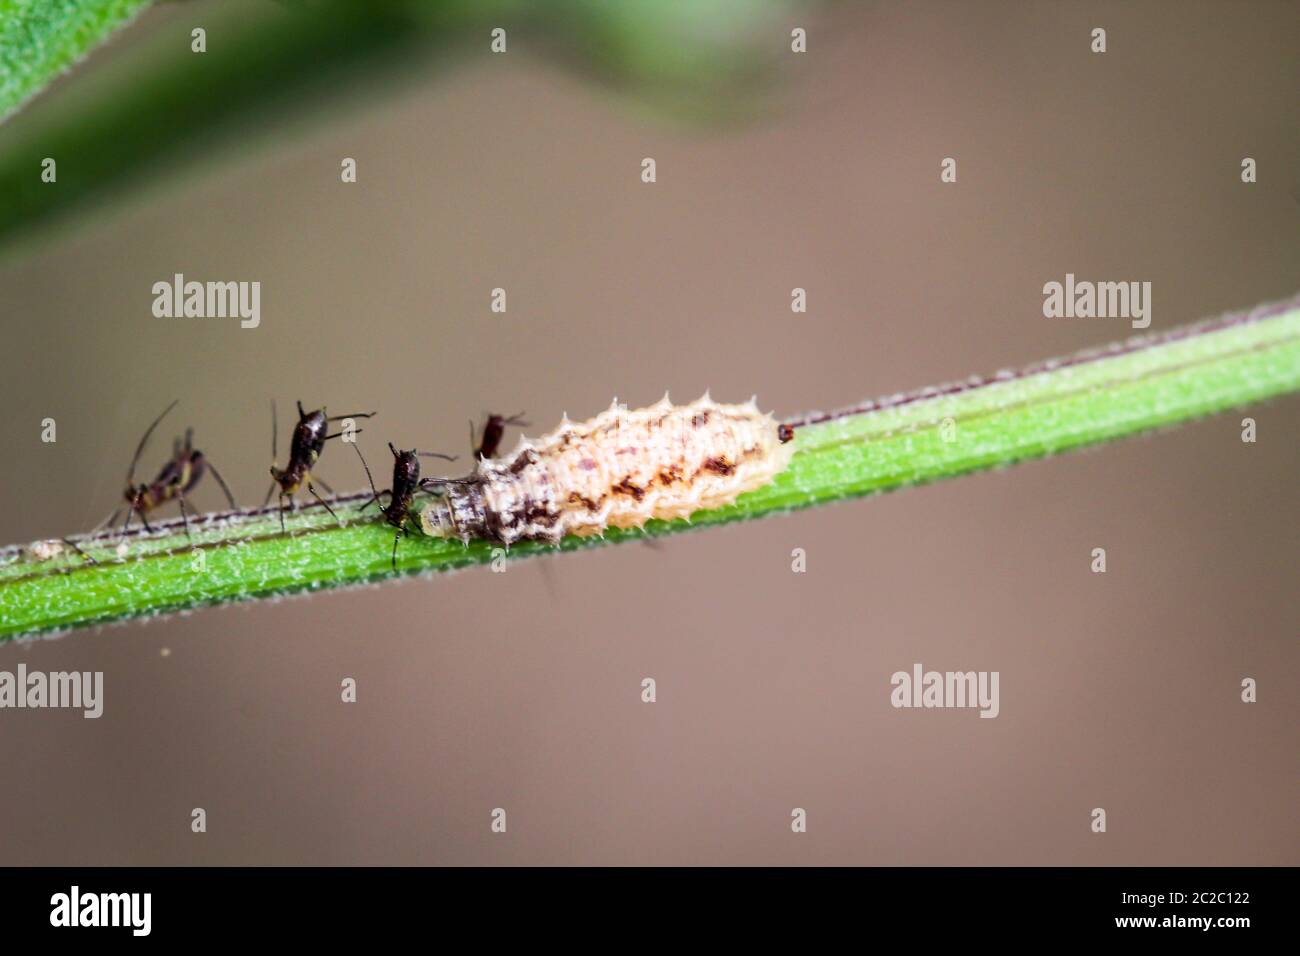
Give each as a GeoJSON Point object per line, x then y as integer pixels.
{"type": "Point", "coordinates": [938, 433]}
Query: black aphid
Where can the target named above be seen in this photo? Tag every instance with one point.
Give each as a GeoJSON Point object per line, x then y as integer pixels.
{"type": "Point", "coordinates": [493, 429]}
{"type": "Point", "coordinates": [406, 481]}
{"type": "Point", "coordinates": [309, 438]}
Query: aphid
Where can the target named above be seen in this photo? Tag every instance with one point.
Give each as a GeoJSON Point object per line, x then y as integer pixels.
{"type": "Point", "coordinates": [617, 470]}
{"type": "Point", "coordinates": [309, 438]}
{"type": "Point", "coordinates": [493, 431]}
{"type": "Point", "coordinates": [176, 479]}
{"type": "Point", "coordinates": [406, 479]}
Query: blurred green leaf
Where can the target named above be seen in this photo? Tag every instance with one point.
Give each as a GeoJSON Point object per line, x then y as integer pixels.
{"type": "Point", "coordinates": [39, 39]}
{"type": "Point", "coordinates": [160, 106]}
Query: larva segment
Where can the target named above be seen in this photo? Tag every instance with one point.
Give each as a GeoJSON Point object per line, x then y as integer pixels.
{"type": "Point", "coordinates": [617, 470]}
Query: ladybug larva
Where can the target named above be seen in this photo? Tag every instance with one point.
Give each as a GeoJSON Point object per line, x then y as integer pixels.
{"type": "Point", "coordinates": [617, 470]}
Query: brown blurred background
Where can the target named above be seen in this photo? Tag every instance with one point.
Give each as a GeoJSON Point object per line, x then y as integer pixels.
{"type": "Point", "coordinates": [522, 690]}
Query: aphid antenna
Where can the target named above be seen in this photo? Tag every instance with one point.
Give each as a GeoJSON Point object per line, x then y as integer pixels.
{"type": "Point", "coordinates": [139, 449]}
{"type": "Point", "coordinates": [337, 434]}
{"type": "Point", "coordinates": [369, 477]}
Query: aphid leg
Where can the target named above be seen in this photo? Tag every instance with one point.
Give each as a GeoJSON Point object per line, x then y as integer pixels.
{"type": "Point", "coordinates": [321, 481]}
{"type": "Point", "coordinates": [73, 545]}
{"type": "Point", "coordinates": [339, 418]}
{"type": "Point", "coordinates": [185, 518]}
{"type": "Point", "coordinates": [430, 484]}
{"type": "Point", "coordinates": [281, 503]}
{"type": "Point", "coordinates": [224, 487]}
{"type": "Point", "coordinates": [316, 495]}
{"type": "Point", "coordinates": [396, 538]}
{"type": "Point", "coordinates": [107, 522]}
{"type": "Point", "coordinates": [337, 434]}
{"type": "Point", "coordinates": [130, 512]}
{"type": "Point", "coordinates": [145, 521]}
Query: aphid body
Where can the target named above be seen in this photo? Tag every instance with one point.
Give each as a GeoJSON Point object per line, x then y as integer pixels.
{"type": "Point", "coordinates": [305, 447]}
{"type": "Point", "coordinates": [494, 430]}
{"type": "Point", "coordinates": [174, 481]}
{"type": "Point", "coordinates": [406, 481]}
{"type": "Point", "coordinates": [617, 470]}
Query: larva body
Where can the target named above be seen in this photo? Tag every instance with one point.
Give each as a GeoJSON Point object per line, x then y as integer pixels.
{"type": "Point", "coordinates": [617, 470]}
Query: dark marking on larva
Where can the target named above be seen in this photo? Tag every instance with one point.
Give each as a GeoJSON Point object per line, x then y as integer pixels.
{"type": "Point", "coordinates": [539, 515]}
{"type": "Point", "coordinates": [627, 487]}
{"type": "Point", "coordinates": [785, 433]}
{"type": "Point", "coordinates": [700, 420]}
{"type": "Point", "coordinates": [575, 499]}
{"type": "Point", "coordinates": [719, 465]}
